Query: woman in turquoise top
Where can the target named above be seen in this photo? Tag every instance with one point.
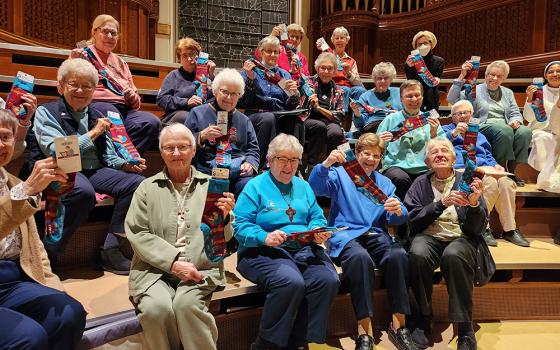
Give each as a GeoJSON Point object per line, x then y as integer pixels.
{"type": "Point", "coordinates": [404, 160]}
{"type": "Point", "coordinates": [298, 278]}
{"type": "Point", "coordinates": [384, 98]}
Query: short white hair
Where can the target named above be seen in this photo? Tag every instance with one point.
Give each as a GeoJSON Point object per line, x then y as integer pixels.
{"type": "Point", "coordinates": [384, 69]}
{"type": "Point", "coordinates": [79, 67]}
{"type": "Point", "coordinates": [498, 64]}
{"type": "Point", "coordinates": [283, 142]}
{"type": "Point", "coordinates": [228, 76]}
{"type": "Point", "coordinates": [439, 141]}
{"type": "Point", "coordinates": [270, 40]}
{"type": "Point", "coordinates": [340, 31]}
{"type": "Point", "coordinates": [176, 129]}
{"type": "Point", "coordinates": [325, 56]}
{"type": "Point", "coordinates": [462, 103]}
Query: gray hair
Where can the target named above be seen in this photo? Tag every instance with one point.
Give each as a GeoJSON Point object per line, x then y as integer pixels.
{"type": "Point", "coordinates": [270, 40]}
{"type": "Point", "coordinates": [498, 64]}
{"type": "Point", "coordinates": [284, 142]}
{"type": "Point", "coordinates": [176, 129]}
{"type": "Point", "coordinates": [79, 67]}
{"type": "Point", "coordinates": [325, 56]}
{"type": "Point", "coordinates": [7, 118]}
{"type": "Point", "coordinates": [439, 141]}
{"type": "Point", "coordinates": [462, 103]}
{"type": "Point", "coordinates": [340, 31]}
{"type": "Point", "coordinates": [384, 69]}
{"type": "Point", "coordinates": [228, 75]}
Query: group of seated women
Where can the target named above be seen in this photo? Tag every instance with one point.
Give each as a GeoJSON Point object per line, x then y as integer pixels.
{"type": "Point", "coordinates": [251, 125]}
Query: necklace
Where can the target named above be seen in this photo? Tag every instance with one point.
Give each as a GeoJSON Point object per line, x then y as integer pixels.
{"type": "Point", "coordinates": [290, 211]}
{"type": "Point", "coordinates": [181, 197]}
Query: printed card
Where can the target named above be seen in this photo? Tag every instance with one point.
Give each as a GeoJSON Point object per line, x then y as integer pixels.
{"type": "Point", "coordinates": [475, 58]}
{"type": "Point", "coordinates": [67, 151]}
{"type": "Point", "coordinates": [81, 44]}
{"type": "Point", "coordinates": [538, 80]}
{"type": "Point", "coordinates": [323, 44]}
{"type": "Point", "coordinates": [282, 84]}
{"type": "Point", "coordinates": [222, 122]}
{"type": "Point", "coordinates": [220, 173]}
{"type": "Point", "coordinates": [344, 147]}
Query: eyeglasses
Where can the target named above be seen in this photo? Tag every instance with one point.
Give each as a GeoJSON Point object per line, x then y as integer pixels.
{"type": "Point", "coordinates": [180, 148]}
{"type": "Point", "coordinates": [229, 93]}
{"type": "Point", "coordinates": [74, 86]}
{"type": "Point", "coordinates": [107, 32]}
{"type": "Point", "coordinates": [326, 68]}
{"type": "Point", "coordinates": [462, 113]}
{"type": "Point", "coordinates": [285, 161]}
{"type": "Point", "coordinates": [272, 52]}
{"type": "Point", "coordinates": [375, 156]}
{"type": "Point", "coordinates": [7, 138]}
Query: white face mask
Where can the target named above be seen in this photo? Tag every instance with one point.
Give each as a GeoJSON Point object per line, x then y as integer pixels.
{"type": "Point", "coordinates": [424, 49]}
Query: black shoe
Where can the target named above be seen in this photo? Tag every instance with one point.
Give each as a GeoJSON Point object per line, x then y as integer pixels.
{"type": "Point", "coordinates": [519, 182]}
{"type": "Point", "coordinates": [515, 237]}
{"type": "Point", "coordinates": [402, 339]}
{"type": "Point", "coordinates": [423, 332]}
{"type": "Point", "coordinates": [114, 261]}
{"type": "Point", "coordinates": [364, 342]}
{"type": "Point", "coordinates": [489, 238]}
{"type": "Point", "coordinates": [466, 342]}
{"type": "Point", "coordinates": [557, 238]}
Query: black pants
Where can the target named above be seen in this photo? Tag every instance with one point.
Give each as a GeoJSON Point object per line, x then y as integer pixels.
{"type": "Point", "coordinates": [458, 262]}
{"type": "Point", "coordinates": [401, 179]}
{"type": "Point", "coordinates": [319, 131]}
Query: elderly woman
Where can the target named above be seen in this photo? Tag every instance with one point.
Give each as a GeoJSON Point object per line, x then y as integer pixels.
{"type": "Point", "coordinates": [202, 121]}
{"type": "Point", "coordinates": [425, 41]}
{"type": "Point", "coordinates": [142, 127]}
{"type": "Point", "coordinates": [263, 97]}
{"type": "Point", "coordinates": [327, 111]}
{"type": "Point", "coordinates": [383, 97]}
{"type": "Point", "coordinates": [346, 76]}
{"type": "Point", "coordinates": [299, 279]}
{"type": "Point", "coordinates": [366, 243]}
{"type": "Point", "coordinates": [295, 34]}
{"type": "Point", "coordinates": [34, 312]}
{"type": "Point", "coordinates": [172, 279]}
{"type": "Point", "coordinates": [445, 223]}
{"type": "Point", "coordinates": [500, 119]}
{"type": "Point", "coordinates": [546, 134]}
{"type": "Point", "coordinates": [498, 192]}
{"type": "Point", "coordinates": [103, 171]}
{"type": "Point", "coordinates": [404, 161]}
{"type": "Point", "coordinates": [177, 95]}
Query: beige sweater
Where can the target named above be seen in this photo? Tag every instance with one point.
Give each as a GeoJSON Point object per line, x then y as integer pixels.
{"type": "Point", "coordinates": [33, 257]}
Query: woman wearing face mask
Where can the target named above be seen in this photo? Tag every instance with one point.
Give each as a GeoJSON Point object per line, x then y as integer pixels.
{"type": "Point", "coordinates": [142, 127]}
{"type": "Point", "coordinates": [425, 42]}
{"type": "Point", "coordinates": [177, 95]}
{"type": "Point", "coordinates": [546, 134]}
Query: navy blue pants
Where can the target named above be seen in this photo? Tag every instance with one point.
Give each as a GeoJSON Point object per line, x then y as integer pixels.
{"type": "Point", "coordinates": [33, 316]}
{"type": "Point", "coordinates": [360, 257]}
{"type": "Point", "coordinates": [300, 288]}
{"type": "Point", "coordinates": [401, 179]}
{"type": "Point", "coordinates": [81, 200]}
{"type": "Point", "coordinates": [142, 127]}
{"type": "Point", "coordinates": [236, 185]}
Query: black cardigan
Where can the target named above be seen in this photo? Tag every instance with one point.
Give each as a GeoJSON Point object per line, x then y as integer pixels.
{"type": "Point", "coordinates": [423, 211]}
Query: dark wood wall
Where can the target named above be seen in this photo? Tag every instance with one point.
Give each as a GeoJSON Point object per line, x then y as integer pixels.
{"type": "Point", "coordinates": [526, 33]}
{"type": "Point", "coordinates": [62, 23]}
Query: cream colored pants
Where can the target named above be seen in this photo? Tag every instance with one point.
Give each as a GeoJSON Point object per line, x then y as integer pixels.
{"type": "Point", "coordinates": [500, 194]}
{"type": "Point", "coordinates": [171, 317]}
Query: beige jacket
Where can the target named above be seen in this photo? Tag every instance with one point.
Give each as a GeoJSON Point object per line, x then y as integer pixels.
{"type": "Point", "coordinates": [33, 257]}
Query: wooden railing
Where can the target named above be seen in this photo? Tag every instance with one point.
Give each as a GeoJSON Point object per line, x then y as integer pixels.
{"type": "Point", "coordinates": [381, 7]}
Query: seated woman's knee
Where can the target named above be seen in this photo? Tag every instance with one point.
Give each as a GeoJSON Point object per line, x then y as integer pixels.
{"type": "Point", "coordinates": [156, 309]}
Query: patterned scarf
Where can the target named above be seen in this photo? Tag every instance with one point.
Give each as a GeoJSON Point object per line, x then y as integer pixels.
{"type": "Point", "coordinates": [372, 110]}
{"type": "Point", "coordinates": [472, 79]}
{"type": "Point", "coordinates": [469, 141]}
{"type": "Point", "coordinates": [537, 104]}
{"type": "Point", "coordinates": [412, 123]}
{"type": "Point", "coordinates": [422, 69]}
{"type": "Point", "coordinates": [105, 77]}
{"type": "Point", "coordinates": [265, 72]}
{"type": "Point", "coordinates": [124, 147]}
{"type": "Point", "coordinates": [469, 174]}
{"type": "Point", "coordinates": [23, 84]}
{"type": "Point", "coordinates": [54, 209]}
{"type": "Point", "coordinates": [364, 184]}
{"type": "Point", "coordinates": [201, 76]}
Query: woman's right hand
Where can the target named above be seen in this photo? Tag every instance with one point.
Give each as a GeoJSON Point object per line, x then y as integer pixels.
{"type": "Point", "coordinates": [44, 172]}
{"type": "Point", "coordinates": [78, 53]}
{"type": "Point", "coordinates": [531, 89]}
{"type": "Point", "coordinates": [355, 108]}
{"type": "Point", "coordinates": [465, 68]}
{"type": "Point", "coordinates": [186, 271]}
{"type": "Point", "coordinates": [336, 156]}
{"type": "Point", "coordinates": [410, 61]}
{"type": "Point", "coordinates": [194, 101]}
{"type": "Point", "coordinates": [211, 132]}
{"type": "Point", "coordinates": [386, 136]}
{"type": "Point", "coordinates": [248, 67]}
{"type": "Point", "coordinates": [455, 198]}
{"type": "Point", "coordinates": [275, 238]}
{"type": "Point", "coordinates": [101, 126]}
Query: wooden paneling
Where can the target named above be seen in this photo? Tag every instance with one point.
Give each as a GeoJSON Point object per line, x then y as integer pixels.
{"type": "Point", "coordinates": [553, 25]}
{"type": "Point", "coordinates": [62, 23]}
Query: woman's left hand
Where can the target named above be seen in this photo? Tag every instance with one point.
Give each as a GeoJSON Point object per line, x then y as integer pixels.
{"type": "Point", "coordinates": [434, 124]}
{"type": "Point", "coordinates": [131, 168]}
{"type": "Point", "coordinates": [131, 97]}
{"type": "Point", "coordinates": [30, 104]}
{"type": "Point", "coordinates": [393, 206]}
{"type": "Point", "coordinates": [291, 87]}
{"type": "Point", "coordinates": [321, 237]}
{"type": "Point", "coordinates": [476, 187]}
{"type": "Point", "coordinates": [514, 124]}
{"type": "Point", "coordinates": [246, 169]}
{"type": "Point", "coordinates": [226, 203]}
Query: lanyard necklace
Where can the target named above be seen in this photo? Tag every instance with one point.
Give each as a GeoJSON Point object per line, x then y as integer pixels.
{"type": "Point", "coordinates": [180, 198]}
